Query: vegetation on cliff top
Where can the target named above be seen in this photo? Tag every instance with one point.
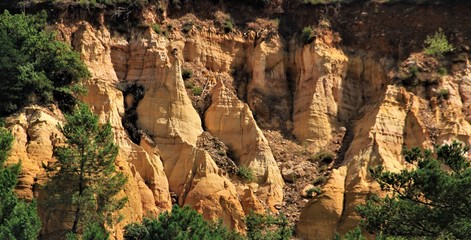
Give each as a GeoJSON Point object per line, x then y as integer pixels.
{"type": "Point", "coordinates": [432, 201]}
{"type": "Point", "coordinates": [34, 66]}
{"type": "Point", "coordinates": [18, 220]}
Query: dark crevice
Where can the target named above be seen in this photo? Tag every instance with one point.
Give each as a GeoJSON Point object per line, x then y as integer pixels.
{"type": "Point", "coordinates": [346, 142]}
{"type": "Point", "coordinates": [133, 93]}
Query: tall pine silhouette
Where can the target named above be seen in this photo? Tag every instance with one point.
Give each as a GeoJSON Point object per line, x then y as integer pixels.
{"type": "Point", "coordinates": [85, 181]}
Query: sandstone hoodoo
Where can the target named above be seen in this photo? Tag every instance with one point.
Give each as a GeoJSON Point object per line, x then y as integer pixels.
{"type": "Point", "coordinates": [271, 111]}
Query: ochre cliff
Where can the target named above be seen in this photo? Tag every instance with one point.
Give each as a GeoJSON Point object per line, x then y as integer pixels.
{"type": "Point", "coordinates": [258, 98]}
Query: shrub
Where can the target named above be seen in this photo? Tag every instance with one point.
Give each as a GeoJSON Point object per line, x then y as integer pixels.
{"type": "Point", "coordinates": [245, 173]}
{"type": "Point", "coordinates": [186, 74]}
{"type": "Point", "coordinates": [189, 85]}
{"type": "Point", "coordinates": [316, 190]}
{"type": "Point", "coordinates": [156, 27]}
{"type": "Point", "coordinates": [322, 156]}
{"type": "Point", "coordinates": [437, 45]}
{"type": "Point", "coordinates": [307, 35]}
{"type": "Point", "coordinates": [228, 25]}
{"type": "Point", "coordinates": [413, 70]}
{"type": "Point", "coordinates": [267, 227]}
{"type": "Point", "coordinates": [187, 27]}
{"type": "Point", "coordinates": [443, 93]}
{"type": "Point", "coordinates": [319, 180]}
{"type": "Point", "coordinates": [354, 234]}
{"type": "Point", "coordinates": [323, 168]}
{"type": "Point", "coordinates": [442, 71]}
{"type": "Point", "coordinates": [197, 91]}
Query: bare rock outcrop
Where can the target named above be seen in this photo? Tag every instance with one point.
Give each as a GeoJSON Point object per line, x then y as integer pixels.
{"type": "Point", "coordinates": [231, 121]}
{"type": "Point", "coordinates": [320, 68]}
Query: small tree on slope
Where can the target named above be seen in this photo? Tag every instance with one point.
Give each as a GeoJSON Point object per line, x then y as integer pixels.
{"type": "Point", "coordinates": [432, 201]}
{"type": "Point", "coordinates": [86, 180]}
{"type": "Point", "coordinates": [18, 220]}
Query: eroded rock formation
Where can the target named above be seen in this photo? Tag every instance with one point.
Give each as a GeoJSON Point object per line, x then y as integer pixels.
{"type": "Point", "coordinates": [361, 106]}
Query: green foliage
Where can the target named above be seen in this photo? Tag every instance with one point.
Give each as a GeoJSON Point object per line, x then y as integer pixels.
{"type": "Point", "coordinates": [87, 181]}
{"type": "Point", "coordinates": [186, 74]}
{"type": "Point", "coordinates": [437, 45]}
{"type": "Point", "coordinates": [228, 25]}
{"type": "Point", "coordinates": [322, 156]}
{"type": "Point", "coordinates": [156, 27]}
{"type": "Point", "coordinates": [429, 202]}
{"type": "Point", "coordinates": [443, 93]}
{"type": "Point", "coordinates": [354, 234]}
{"type": "Point", "coordinates": [267, 227]}
{"type": "Point", "coordinates": [180, 224]}
{"type": "Point", "coordinates": [442, 71]}
{"type": "Point", "coordinates": [197, 91]}
{"type": "Point", "coordinates": [18, 220]}
{"type": "Point", "coordinates": [189, 85]}
{"type": "Point", "coordinates": [310, 192]}
{"type": "Point", "coordinates": [307, 36]}
{"type": "Point", "coordinates": [319, 180]}
{"type": "Point", "coordinates": [187, 27]}
{"type": "Point", "coordinates": [414, 70]}
{"type": "Point", "coordinates": [94, 231]}
{"type": "Point", "coordinates": [34, 67]}
{"type": "Point", "coordinates": [245, 173]}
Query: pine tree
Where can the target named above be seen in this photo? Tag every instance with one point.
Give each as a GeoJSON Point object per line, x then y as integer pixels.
{"type": "Point", "coordinates": [18, 220]}
{"type": "Point", "coordinates": [432, 201]}
{"type": "Point", "coordinates": [86, 180]}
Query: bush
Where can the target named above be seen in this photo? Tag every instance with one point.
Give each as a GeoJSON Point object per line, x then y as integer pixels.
{"type": "Point", "coordinates": [189, 85]}
{"type": "Point", "coordinates": [323, 156]}
{"type": "Point", "coordinates": [187, 27]}
{"type": "Point", "coordinates": [307, 35]}
{"type": "Point", "coordinates": [316, 190]}
{"type": "Point", "coordinates": [181, 223]}
{"type": "Point", "coordinates": [414, 70]}
{"type": "Point", "coordinates": [267, 227]}
{"type": "Point", "coordinates": [319, 180]}
{"type": "Point", "coordinates": [442, 71]}
{"type": "Point", "coordinates": [437, 45]}
{"type": "Point", "coordinates": [186, 74]}
{"type": "Point", "coordinates": [228, 25]}
{"type": "Point", "coordinates": [443, 93]}
{"type": "Point", "coordinates": [245, 173]}
{"type": "Point", "coordinates": [354, 234]}
{"type": "Point", "coordinates": [34, 66]}
{"type": "Point", "coordinates": [197, 91]}
{"type": "Point", "coordinates": [156, 27]}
